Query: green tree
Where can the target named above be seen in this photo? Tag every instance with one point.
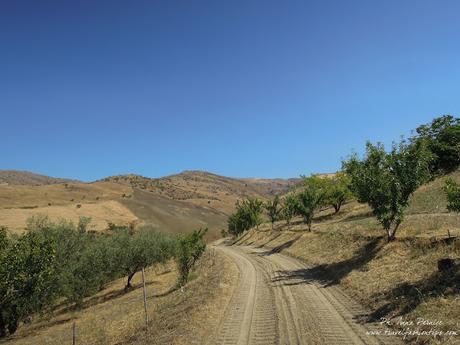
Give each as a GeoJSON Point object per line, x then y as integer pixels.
{"type": "Point", "coordinates": [311, 198]}
{"type": "Point", "coordinates": [442, 137]}
{"type": "Point", "coordinates": [190, 247]}
{"type": "Point", "coordinates": [247, 215]}
{"type": "Point", "coordinates": [338, 191]}
{"type": "Point", "coordinates": [146, 247]}
{"type": "Point", "coordinates": [387, 180]}
{"type": "Point", "coordinates": [26, 273]}
{"type": "Point", "coordinates": [273, 209]}
{"type": "Point", "coordinates": [289, 208]}
{"type": "Point", "coordinates": [452, 190]}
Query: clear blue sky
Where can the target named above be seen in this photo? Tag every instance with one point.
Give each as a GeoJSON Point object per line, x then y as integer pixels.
{"type": "Point", "coordinates": [240, 88]}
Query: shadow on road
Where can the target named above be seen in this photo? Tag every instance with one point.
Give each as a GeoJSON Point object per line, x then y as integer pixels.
{"type": "Point", "coordinates": [330, 274]}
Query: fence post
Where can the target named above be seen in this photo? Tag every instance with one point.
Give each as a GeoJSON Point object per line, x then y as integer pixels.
{"type": "Point", "coordinates": [145, 298]}
{"type": "Point", "coordinates": [74, 334]}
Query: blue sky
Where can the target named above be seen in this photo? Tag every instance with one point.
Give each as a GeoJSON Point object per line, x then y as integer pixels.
{"type": "Point", "coordinates": [240, 88]}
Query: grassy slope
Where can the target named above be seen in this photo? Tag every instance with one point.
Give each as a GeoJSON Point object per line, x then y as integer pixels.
{"type": "Point", "coordinates": [115, 317]}
{"type": "Point", "coordinates": [396, 279]}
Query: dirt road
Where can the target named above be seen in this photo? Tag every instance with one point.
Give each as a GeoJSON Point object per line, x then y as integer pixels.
{"type": "Point", "coordinates": [274, 302]}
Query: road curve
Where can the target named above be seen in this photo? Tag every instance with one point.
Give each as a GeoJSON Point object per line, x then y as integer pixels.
{"type": "Point", "coordinates": [271, 304]}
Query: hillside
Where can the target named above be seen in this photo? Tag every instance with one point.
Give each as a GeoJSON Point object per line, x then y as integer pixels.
{"type": "Point", "coordinates": [175, 203]}
{"type": "Point", "coordinates": [400, 279]}
{"type": "Point", "coordinates": [17, 177]}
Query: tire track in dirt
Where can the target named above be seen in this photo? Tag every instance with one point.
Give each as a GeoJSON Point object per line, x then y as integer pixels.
{"type": "Point", "coordinates": [272, 306]}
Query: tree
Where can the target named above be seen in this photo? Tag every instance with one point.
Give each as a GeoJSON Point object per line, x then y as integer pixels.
{"type": "Point", "coordinates": [247, 215]}
{"type": "Point", "coordinates": [452, 190]}
{"type": "Point", "coordinates": [311, 198]}
{"type": "Point", "coordinates": [289, 208]}
{"type": "Point", "coordinates": [190, 247]}
{"type": "Point", "coordinates": [273, 209]}
{"type": "Point", "coordinates": [338, 191]}
{"type": "Point", "coordinates": [442, 138]}
{"type": "Point", "coordinates": [387, 180]}
{"type": "Point", "coordinates": [26, 273]}
{"type": "Point", "coordinates": [146, 247]}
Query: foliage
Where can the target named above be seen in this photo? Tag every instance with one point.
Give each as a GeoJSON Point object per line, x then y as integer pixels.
{"type": "Point", "coordinates": [26, 271]}
{"type": "Point", "coordinates": [289, 208]}
{"type": "Point", "coordinates": [189, 249]}
{"type": "Point", "coordinates": [311, 198]}
{"type": "Point", "coordinates": [133, 251]}
{"type": "Point", "coordinates": [53, 261]}
{"type": "Point", "coordinates": [442, 138]}
{"type": "Point", "coordinates": [247, 215]}
{"type": "Point", "coordinates": [338, 191]}
{"type": "Point", "coordinates": [452, 190]}
{"type": "Point", "coordinates": [387, 180]}
{"type": "Point", "coordinates": [273, 209]}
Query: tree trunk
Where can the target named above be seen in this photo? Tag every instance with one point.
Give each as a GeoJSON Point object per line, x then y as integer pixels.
{"type": "Point", "coordinates": [13, 326]}
{"type": "Point", "coordinates": [128, 283]}
{"type": "Point", "coordinates": [2, 327]}
{"type": "Point", "coordinates": [391, 234]}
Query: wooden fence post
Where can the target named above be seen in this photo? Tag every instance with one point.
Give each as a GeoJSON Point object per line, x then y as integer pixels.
{"type": "Point", "coordinates": [145, 298]}
{"type": "Point", "coordinates": [74, 334]}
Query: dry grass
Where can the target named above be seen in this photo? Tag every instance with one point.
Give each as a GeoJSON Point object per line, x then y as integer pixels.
{"type": "Point", "coordinates": [192, 316]}
{"type": "Point", "coordinates": [396, 279]}
{"type": "Point", "coordinates": [115, 317]}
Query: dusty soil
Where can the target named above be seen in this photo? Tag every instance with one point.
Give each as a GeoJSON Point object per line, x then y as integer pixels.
{"type": "Point", "coordinates": [276, 303]}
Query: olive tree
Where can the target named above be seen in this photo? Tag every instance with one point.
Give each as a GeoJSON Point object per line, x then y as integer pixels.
{"type": "Point", "coordinates": [386, 180]}
{"type": "Point", "coordinates": [134, 251]}
{"type": "Point", "coordinates": [26, 275]}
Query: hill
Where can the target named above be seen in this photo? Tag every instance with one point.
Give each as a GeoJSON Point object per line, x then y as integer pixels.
{"type": "Point", "coordinates": [17, 177]}
{"type": "Point", "coordinates": [397, 279]}
{"type": "Point", "coordinates": [175, 203]}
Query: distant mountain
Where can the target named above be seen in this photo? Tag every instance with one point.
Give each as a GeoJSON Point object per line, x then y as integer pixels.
{"type": "Point", "coordinates": [17, 177]}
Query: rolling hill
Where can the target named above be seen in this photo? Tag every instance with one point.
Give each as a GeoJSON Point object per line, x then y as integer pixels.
{"type": "Point", "coordinates": [175, 203]}
{"type": "Point", "coordinates": [17, 177]}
